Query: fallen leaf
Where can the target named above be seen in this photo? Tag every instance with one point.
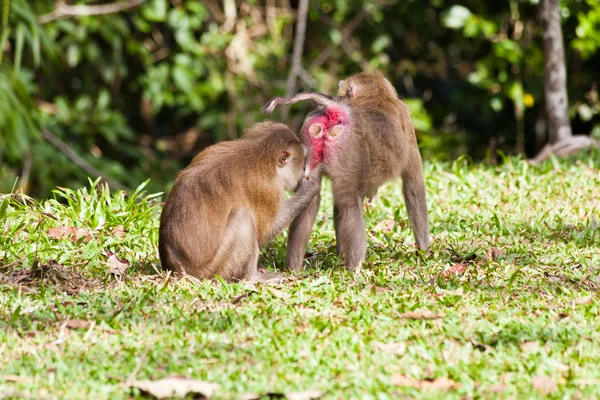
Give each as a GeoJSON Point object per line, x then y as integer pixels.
{"type": "Point", "coordinates": [279, 293]}
{"type": "Point", "coordinates": [377, 289]}
{"type": "Point", "coordinates": [402, 380]}
{"type": "Point", "coordinates": [420, 315]}
{"type": "Point", "coordinates": [243, 296]}
{"type": "Point", "coordinates": [457, 269]}
{"type": "Point", "coordinates": [544, 384]}
{"type": "Point", "coordinates": [385, 226]}
{"type": "Point", "coordinates": [441, 383]}
{"type": "Point", "coordinates": [70, 232]}
{"type": "Point", "coordinates": [586, 381]}
{"type": "Point", "coordinates": [116, 266]}
{"type": "Point", "coordinates": [176, 387]}
{"type": "Point", "coordinates": [306, 395]}
{"type": "Point", "coordinates": [393, 348]}
{"type": "Point", "coordinates": [119, 231]}
{"type": "Point", "coordinates": [250, 396]}
{"type": "Point", "coordinates": [530, 347]}
{"type": "Point", "coordinates": [15, 378]}
{"type": "Point", "coordinates": [59, 232]}
{"type": "Point", "coordinates": [77, 324]}
{"type": "Point", "coordinates": [493, 253]}
{"type": "Point", "coordinates": [497, 387]}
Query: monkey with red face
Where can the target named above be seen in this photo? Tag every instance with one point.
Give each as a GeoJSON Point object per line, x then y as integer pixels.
{"type": "Point", "coordinates": [364, 137]}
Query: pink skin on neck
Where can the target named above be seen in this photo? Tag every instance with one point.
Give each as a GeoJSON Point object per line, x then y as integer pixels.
{"type": "Point", "coordinates": [322, 145]}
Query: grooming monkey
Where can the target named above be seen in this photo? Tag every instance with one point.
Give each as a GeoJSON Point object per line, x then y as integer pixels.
{"type": "Point", "coordinates": [364, 137]}
{"type": "Point", "coordinates": [230, 201]}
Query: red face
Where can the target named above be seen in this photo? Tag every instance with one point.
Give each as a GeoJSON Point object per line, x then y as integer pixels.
{"type": "Point", "coordinates": [323, 133]}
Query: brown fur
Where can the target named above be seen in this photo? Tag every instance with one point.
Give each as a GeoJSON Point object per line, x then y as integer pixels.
{"type": "Point", "coordinates": [230, 201]}
{"type": "Point", "coordinates": [380, 145]}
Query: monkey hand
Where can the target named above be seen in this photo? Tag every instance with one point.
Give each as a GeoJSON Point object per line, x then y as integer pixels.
{"type": "Point", "coordinates": [310, 184]}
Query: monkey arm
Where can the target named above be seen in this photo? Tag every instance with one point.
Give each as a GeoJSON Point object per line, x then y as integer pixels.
{"type": "Point", "coordinates": [299, 233]}
{"type": "Point", "coordinates": [307, 190]}
{"type": "Point", "coordinates": [320, 98]}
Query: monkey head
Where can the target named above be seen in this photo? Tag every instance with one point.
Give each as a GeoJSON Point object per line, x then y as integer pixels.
{"type": "Point", "coordinates": [290, 162]}
{"type": "Point", "coordinates": [366, 84]}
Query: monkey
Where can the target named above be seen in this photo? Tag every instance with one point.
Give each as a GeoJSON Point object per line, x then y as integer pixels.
{"type": "Point", "coordinates": [230, 201]}
{"type": "Point", "coordinates": [364, 136]}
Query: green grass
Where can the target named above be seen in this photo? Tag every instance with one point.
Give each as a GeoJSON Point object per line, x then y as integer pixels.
{"type": "Point", "coordinates": [522, 305]}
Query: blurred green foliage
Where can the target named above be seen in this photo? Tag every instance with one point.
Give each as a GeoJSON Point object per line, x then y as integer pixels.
{"type": "Point", "coordinates": [137, 93]}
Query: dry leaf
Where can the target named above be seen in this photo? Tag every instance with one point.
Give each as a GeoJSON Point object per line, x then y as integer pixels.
{"type": "Point", "coordinates": [530, 347]}
{"type": "Point", "coordinates": [457, 269]}
{"type": "Point", "coordinates": [393, 348]}
{"type": "Point", "coordinates": [250, 396]}
{"type": "Point", "coordinates": [119, 231]}
{"type": "Point", "coordinates": [116, 266]}
{"type": "Point", "coordinates": [279, 293]}
{"type": "Point", "coordinates": [377, 289]}
{"type": "Point", "coordinates": [420, 315]}
{"type": "Point", "coordinates": [497, 387]}
{"type": "Point", "coordinates": [77, 324]}
{"type": "Point", "coordinates": [71, 232]}
{"type": "Point", "coordinates": [544, 384]}
{"type": "Point", "coordinates": [586, 381]}
{"type": "Point", "coordinates": [306, 395]}
{"type": "Point", "coordinates": [402, 380]}
{"type": "Point", "coordinates": [176, 387]}
{"type": "Point", "coordinates": [15, 378]}
{"type": "Point", "coordinates": [442, 383]}
{"type": "Point", "coordinates": [385, 226]}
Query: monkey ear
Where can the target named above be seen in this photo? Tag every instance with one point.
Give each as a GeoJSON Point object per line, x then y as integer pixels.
{"type": "Point", "coordinates": [352, 89]}
{"type": "Point", "coordinates": [283, 158]}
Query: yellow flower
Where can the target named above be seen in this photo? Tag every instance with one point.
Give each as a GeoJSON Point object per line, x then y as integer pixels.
{"type": "Point", "coordinates": [528, 100]}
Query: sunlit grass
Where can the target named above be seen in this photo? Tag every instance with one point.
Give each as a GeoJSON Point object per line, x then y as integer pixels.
{"type": "Point", "coordinates": [511, 278]}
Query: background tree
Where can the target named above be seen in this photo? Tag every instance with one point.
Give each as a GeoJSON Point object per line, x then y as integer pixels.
{"type": "Point", "coordinates": [131, 90]}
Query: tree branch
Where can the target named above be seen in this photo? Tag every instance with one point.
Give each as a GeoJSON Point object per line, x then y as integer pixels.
{"type": "Point", "coordinates": [64, 10]}
{"type": "Point", "coordinates": [297, 56]}
{"type": "Point", "coordinates": [80, 162]}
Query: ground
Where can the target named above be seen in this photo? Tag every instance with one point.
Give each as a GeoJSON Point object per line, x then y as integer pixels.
{"type": "Point", "coordinates": [504, 305]}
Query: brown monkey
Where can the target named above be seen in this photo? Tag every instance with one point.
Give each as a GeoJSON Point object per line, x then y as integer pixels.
{"type": "Point", "coordinates": [230, 201]}
{"type": "Point", "coordinates": [365, 137]}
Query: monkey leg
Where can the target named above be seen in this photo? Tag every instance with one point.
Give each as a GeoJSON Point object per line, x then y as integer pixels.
{"type": "Point", "coordinates": [413, 188]}
{"type": "Point", "coordinates": [299, 234]}
{"type": "Point", "coordinates": [350, 233]}
{"type": "Point", "coordinates": [237, 256]}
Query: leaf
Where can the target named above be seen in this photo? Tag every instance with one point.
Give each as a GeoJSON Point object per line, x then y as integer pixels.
{"type": "Point", "coordinates": [497, 387]}
{"type": "Point", "coordinates": [456, 17]}
{"type": "Point", "coordinates": [385, 226]}
{"type": "Point", "coordinates": [183, 77]}
{"type": "Point", "coordinates": [176, 387]}
{"type": "Point", "coordinates": [393, 348]}
{"type": "Point", "coordinates": [441, 383]}
{"type": "Point", "coordinates": [279, 293]}
{"type": "Point", "coordinates": [119, 231]}
{"type": "Point", "coordinates": [530, 347]}
{"type": "Point", "coordinates": [458, 269]}
{"type": "Point", "coordinates": [117, 266]}
{"type": "Point", "coordinates": [423, 315]}
{"type": "Point", "coordinates": [77, 324]}
{"type": "Point", "coordinates": [544, 384]}
{"type": "Point", "coordinates": [402, 380]}
{"type": "Point", "coordinates": [70, 232]}
{"type": "Point", "coordinates": [305, 395]}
